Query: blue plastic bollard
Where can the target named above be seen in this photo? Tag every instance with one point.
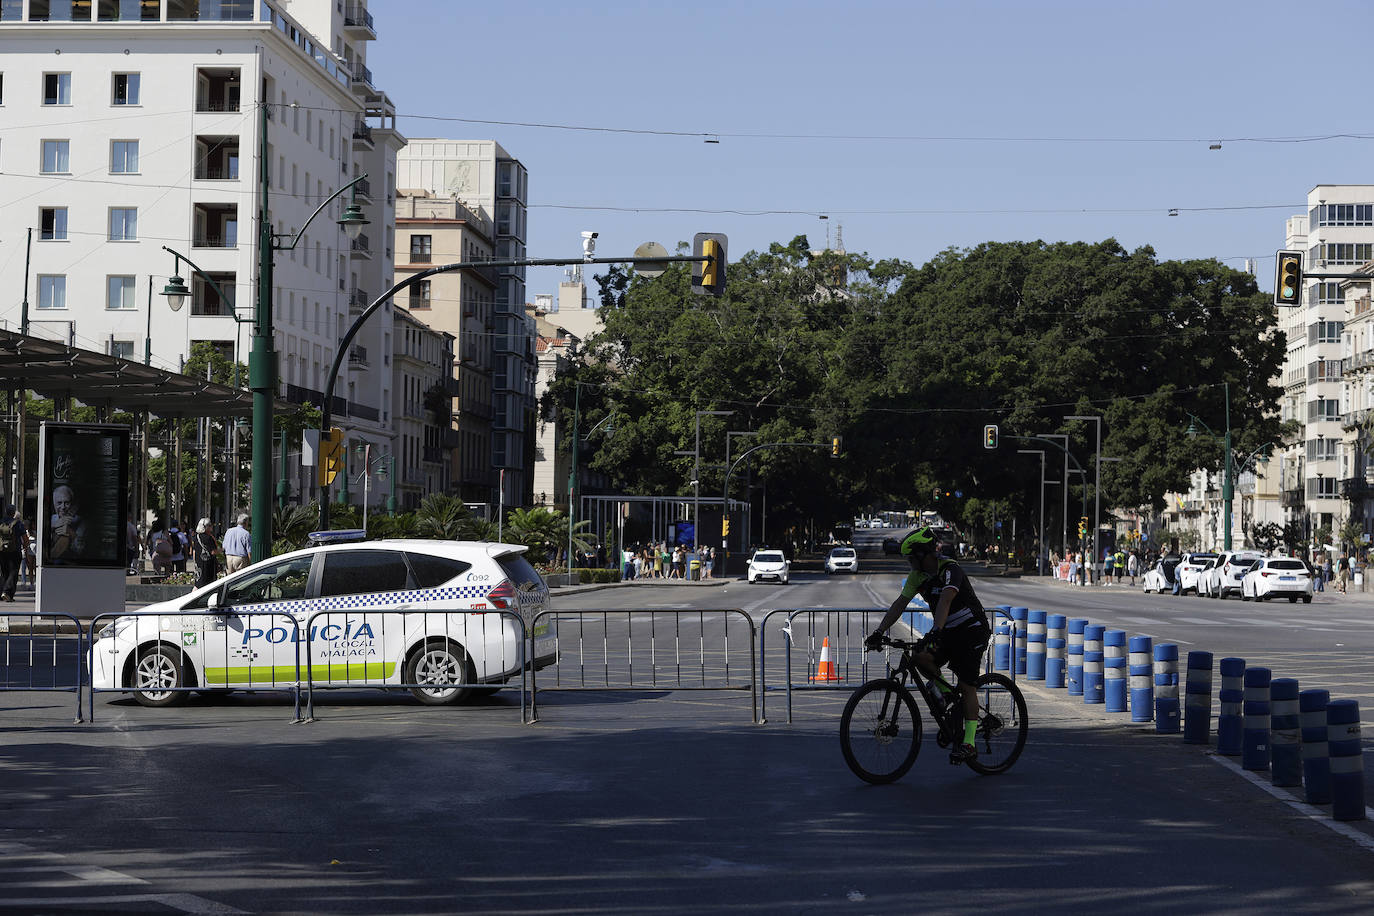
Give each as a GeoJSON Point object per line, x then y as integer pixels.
{"type": "Point", "coordinates": [1074, 668]}
{"type": "Point", "coordinates": [1001, 647]}
{"type": "Point", "coordinates": [1114, 670]}
{"type": "Point", "coordinates": [1347, 760]}
{"type": "Point", "coordinates": [1316, 755]}
{"type": "Point", "coordinates": [1254, 738]}
{"type": "Point", "coordinates": [1055, 643]}
{"type": "Point", "coordinates": [1285, 757]}
{"type": "Point", "coordinates": [1142, 678]}
{"type": "Point", "coordinates": [1166, 689]}
{"type": "Point", "coordinates": [1018, 616]}
{"type": "Point", "coordinates": [1197, 699]}
{"type": "Point", "coordinates": [1035, 645]}
{"type": "Point", "coordinates": [1092, 663]}
{"type": "Point", "coordinates": [1230, 718]}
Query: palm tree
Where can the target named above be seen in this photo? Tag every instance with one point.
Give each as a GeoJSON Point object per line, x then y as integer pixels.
{"type": "Point", "coordinates": [291, 525]}
{"type": "Point", "coordinates": [445, 517]}
{"type": "Point", "coordinates": [543, 531]}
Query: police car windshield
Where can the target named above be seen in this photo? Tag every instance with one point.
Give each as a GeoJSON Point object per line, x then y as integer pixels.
{"type": "Point", "coordinates": [768, 557]}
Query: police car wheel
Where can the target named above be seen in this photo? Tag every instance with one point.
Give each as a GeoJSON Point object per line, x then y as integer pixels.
{"type": "Point", "coordinates": [157, 669]}
{"type": "Point", "coordinates": [440, 662]}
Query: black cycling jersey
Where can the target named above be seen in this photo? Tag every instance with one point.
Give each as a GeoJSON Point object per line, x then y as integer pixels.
{"type": "Point", "coordinates": [966, 609]}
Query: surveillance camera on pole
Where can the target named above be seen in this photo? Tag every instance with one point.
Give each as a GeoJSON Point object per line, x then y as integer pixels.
{"type": "Point", "coordinates": [589, 244]}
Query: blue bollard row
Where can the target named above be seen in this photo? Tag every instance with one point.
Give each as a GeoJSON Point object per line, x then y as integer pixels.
{"type": "Point", "coordinates": [1092, 663]}
{"type": "Point", "coordinates": [1254, 751]}
{"type": "Point", "coordinates": [1035, 646]}
{"type": "Point", "coordinates": [1055, 644]}
{"type": "Point", "coordinates": [1285, 768]}
{"type": "Point", "coordinates": [1141, 676]}
{"type": "Point", "coordinates": [1316, 757]}
{"type": "Point", "coordinates": [1230, 719]}
{"type": "Point", "coordinates": [1197, 699]}
{"type": "Point", "coordinates": [1347, 760]}
{"type": "Point", "coordinates": [1166, 689]}
{"type": "Point", "coordinates": [1114, 670]}
{"type": "Point", "coordinates": [1018, 616]}
{"type": "Point", "coordinates": [1075, 661]}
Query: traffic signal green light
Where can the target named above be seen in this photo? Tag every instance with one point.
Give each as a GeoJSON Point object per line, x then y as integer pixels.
{"type": "Point", "coordinates": [990, 436]}
{"type": "Point", "coordinates": [1288, 278]}
{"type": "Point", "coordinates": [1083, 527]}
{"type": "Point", "coordinates": [708, 270]}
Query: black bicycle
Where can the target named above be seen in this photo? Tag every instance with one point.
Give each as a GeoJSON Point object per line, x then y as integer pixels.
{"type": "Point", "coordinates": [880, 730]}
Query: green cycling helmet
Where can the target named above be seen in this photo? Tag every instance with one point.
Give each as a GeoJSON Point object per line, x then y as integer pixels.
{"type": "Point", "coordinates": [920, 541]}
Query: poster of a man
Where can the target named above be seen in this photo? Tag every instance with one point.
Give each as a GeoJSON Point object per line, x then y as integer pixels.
{"type": "Point", "coordinates": [66, 529]}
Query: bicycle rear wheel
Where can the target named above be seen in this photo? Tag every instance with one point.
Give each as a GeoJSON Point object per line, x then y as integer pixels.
{"type": "Point", "coordinates": [1002, 724]}
{"type": "Point", "coordinates": [880, 731]}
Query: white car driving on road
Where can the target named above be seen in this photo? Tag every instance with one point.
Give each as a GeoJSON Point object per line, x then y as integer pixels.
{"type": "Point", "coordinates": [769, 564]}
{"type": "Point", "coordinates": [1277, 577]}
{"type": "Point", "coordinates": [425, 615]}
{"type": "Point", "coordinates": [842, 559]}
{"type": "Point", "coordinates": [1223, 577]}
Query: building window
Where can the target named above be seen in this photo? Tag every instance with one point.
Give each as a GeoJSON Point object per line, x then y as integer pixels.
{"type": "Point", "coordinates": [123, 224]}
{"type": "Point", "coordinates": [53, 224]}
{"type": "Point", "coordinates": [419, 295]}
{"type": "Point", "coordinates": [120, 294]}
{"type": "Point", "coordinates": [57, 88]}
{"type": "Point", "coordinates": [1325, 331]}
{"type": "Point", "coordinates": [56, 157]}
{"type": "Point", "coordinates": [1345, 253]}
{"type": "Point", "coordinates": [52, 292]}
{"type": "Point", "coordinates": [1323, 488]}
{"type": "Point", "coordinates": [122, 349]}
{"type": "Point", "coordinates": [421, 249]}
{"type": "Point", "coordinates": [1345, 215]}
{"type": "Point", "coordinates": [123, 156]}
{"type": "Point", "coordinates": [125, 89]}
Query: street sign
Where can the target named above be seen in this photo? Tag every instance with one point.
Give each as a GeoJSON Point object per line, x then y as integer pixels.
{"type": "Point", "coordinates": [651, 269]}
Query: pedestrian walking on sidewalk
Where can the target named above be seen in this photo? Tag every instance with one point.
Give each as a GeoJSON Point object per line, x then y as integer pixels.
{"type": "Point", "coordinates": [14, 543]}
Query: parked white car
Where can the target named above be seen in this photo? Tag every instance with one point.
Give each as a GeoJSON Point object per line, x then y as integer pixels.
{"type": "Point", "coordinates": [769, 564]}
{"type": "Point", "coordinates": [1189, 571]}
{"type": "Point", "coordinates": [1277, 577]}
{"type": "Point", "coordinates": [1223, 577]}
{"type": "Point", "coordinates": [842, 559]}
{"type": "Point", "coordinates": [411, 613]}
{"type": "Point", "coordinates": [1160, 577]}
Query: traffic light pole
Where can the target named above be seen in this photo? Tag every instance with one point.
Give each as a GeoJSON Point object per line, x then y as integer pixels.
{"type": "Point", "coordinates": [327, 409]}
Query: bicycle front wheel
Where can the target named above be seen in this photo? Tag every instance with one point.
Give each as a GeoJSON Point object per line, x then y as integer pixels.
{"type": "Point", "coordinates": [1002, 724]}
{"type": "Point", "coordinates": [880, 731]}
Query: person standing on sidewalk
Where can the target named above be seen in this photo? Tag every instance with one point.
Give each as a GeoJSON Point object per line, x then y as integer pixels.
{"type": "Point", "coordinates": [237, 545]}
{"type": "Point", "coordinates": [14, 543]}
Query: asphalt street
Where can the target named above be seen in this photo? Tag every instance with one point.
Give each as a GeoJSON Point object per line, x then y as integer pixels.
{"type": "Point", "coordinates": [662, 800]}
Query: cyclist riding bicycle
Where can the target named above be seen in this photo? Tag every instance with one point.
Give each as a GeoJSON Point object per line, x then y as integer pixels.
{"type": "Point", "coordinates": [960, 632]}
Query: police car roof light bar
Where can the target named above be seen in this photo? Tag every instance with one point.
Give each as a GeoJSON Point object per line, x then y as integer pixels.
{"type": "Point", "coordinates": [342, 536]}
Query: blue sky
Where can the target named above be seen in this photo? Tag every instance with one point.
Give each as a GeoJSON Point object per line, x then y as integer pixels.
{"type": "Point", "coordinates": [1074, 121]}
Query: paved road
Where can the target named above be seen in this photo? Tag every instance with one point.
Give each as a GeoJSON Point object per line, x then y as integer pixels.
{"type": "Point", "coordinates": [645, 801]}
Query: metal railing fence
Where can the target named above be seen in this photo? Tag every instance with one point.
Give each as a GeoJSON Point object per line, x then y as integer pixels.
{"type": "Point", "coordinates": [40, 644]}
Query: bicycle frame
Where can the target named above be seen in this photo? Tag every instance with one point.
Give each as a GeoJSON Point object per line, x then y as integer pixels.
{"type": "Point", "coordinates": [906, 672]}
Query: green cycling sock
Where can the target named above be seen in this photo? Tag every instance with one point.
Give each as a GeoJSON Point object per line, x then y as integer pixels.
{"type": "Point", "coordinates": [970, 728]}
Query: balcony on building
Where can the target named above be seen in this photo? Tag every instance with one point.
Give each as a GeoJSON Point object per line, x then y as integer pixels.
{"type": "Point", "coordinates": [1292, 499]}
{"type": "Point", "coordinates": [363, 189]}
{"type": "Point", "coordinates": [358, 23]}
{"type": "Point", "coordinates": [358, 301]}
{"type": "Point", "coordinates": [217, 226]}
{"type": "Point", "coordinates": [362, 136]}
{"type": "Point", "coordinates": [363, 411]}
{"type": "Point", "coordinates": [357, 357]}
{"type": "Point", "coordinates": [433, 454]}
{"type": "Point", "coordinates": [1357, 488]}
{"type": "Point", "coordinates": [361, 77]}
{"type": "Point", "coordinates": [217, 89]}
{"type": "Point", "coordinates": [204, 299]}
{"type": "Point", "coordinates": [217, 157]}
{"type": "Point", "coordinates": [362, 247]}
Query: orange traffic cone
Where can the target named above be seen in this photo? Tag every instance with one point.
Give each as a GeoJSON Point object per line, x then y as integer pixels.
{"type": "Point", "coordinates": [826, 671]}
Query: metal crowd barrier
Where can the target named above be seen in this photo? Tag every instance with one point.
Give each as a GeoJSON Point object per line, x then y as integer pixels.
{"type": "Point", "coordinates": [41, 648]}
{"type": "Point", "coordinates": [352, 660]}
{"type": "Point", "coordinates": [671, 656]}
{"type": "Point", "coordinates": [829, 639]}
{"type": "Point", "coordinates": [281, 670]}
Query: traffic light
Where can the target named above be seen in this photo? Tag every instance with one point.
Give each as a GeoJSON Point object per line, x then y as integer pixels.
{"type": "Point", "coordinates": [708, 271]}
{"type": "Point", "coordinates": [1288, 278]}
{"type": "Point", "coordinates": [725, 527]}
{"type": "Point", "coordinates": [1083, 527]}
{"type": "Point", "coordinates": [990, 436]}
{"type": "Point", "coordinates": [834, 446]}
{"type": "Point", "coordinates": [331, 455]}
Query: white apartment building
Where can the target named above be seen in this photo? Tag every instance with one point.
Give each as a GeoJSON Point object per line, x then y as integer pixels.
{"type": "Point", "coordinates": [1357, 468]}
{"type": "Point", "coordinates": [1336, 235]}
{"type": "Point", "coordinates": [129, 126]}
{"type": "Point", "coordinates": [422, 407]}
{"type": "Point", "coordinates": [488, 181]}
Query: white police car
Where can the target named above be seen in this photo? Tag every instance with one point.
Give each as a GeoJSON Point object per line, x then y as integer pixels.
{"type": "Point", "coordinates": [436, 617]}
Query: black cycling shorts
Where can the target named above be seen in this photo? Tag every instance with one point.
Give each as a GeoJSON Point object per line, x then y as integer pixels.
{"type": "Point", "coordinates": [962, 648]}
